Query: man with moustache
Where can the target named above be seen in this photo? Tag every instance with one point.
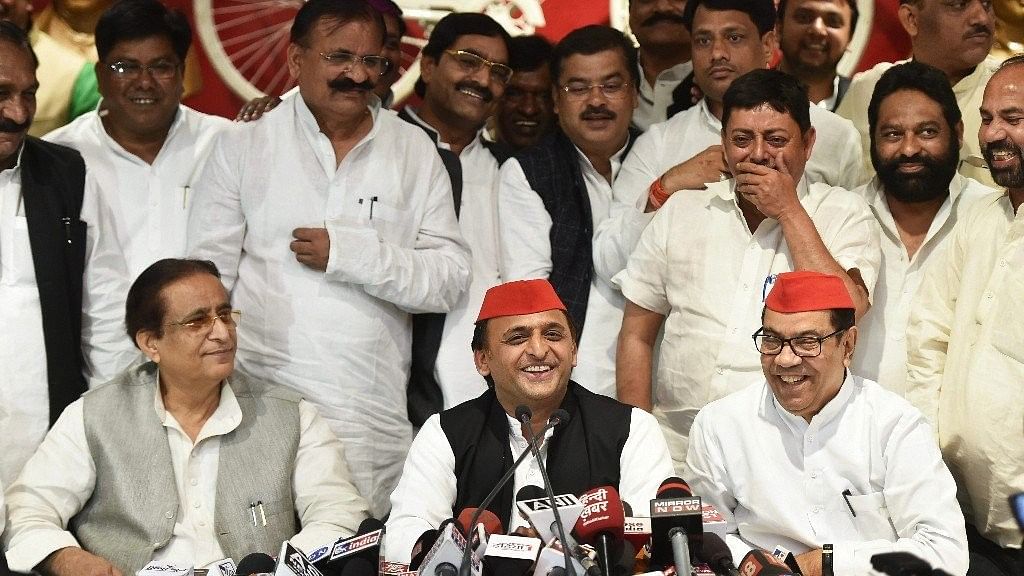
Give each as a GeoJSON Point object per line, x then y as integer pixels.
{"type": "Point", "coordinates": [966, 337]}
{"type": "Point", "coordinates": [332, 222]}
{"type": "Point", "coordinates": [704, 265]}
{"type": "Point", "coordinates": [730, 38]}
{"type": "Point", "coordinates": [813, 35]}
{"type": "Point", "coordinates": [954, 37]}
{"type": "Point", "coordinates": [814, 454]}
{"type": "Point", "coordinates": [554, 195]}
{"type": "Point", "coordinates": [917, 197]}
{"type": "Point", "coordinates": [666, 75]}
{"type": "Point", "coordinates": [525, 114]}
{"type": "Point", "coordinates": [146, 149]}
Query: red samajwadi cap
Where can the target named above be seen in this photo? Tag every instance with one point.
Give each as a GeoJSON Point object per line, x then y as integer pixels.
{"type": "Point", "coordinates": [807, 291]}
{"type": "Point", "coordinates": [519, 298]}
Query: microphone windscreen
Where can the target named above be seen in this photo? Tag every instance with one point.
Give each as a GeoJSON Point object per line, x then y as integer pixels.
{"type": "Point", "coordinates": [369, 525]}
{"type": "Point", "coordinates": [562, 416]}
{"type": "Point", "coordinates": [760, 563]}
{"type": "Point", "coordinates": [255, 563]}
{"type": "Point", "coordinates": [530, 492]}
{"type": "Point", "coordinates": [359, 566]}
{"type": "Point", "coordinates": [715, 552]}
{"type": "Point", "coordinates": [602, 514]}
{"type": "Point", "coordinates": [523, 412]}
{"type": "Point", "coordinates": [492, 525]}
{"type": "Point", "coordinates": [423, 545]}
{"type": "Point", "coordinates": [674, 487]}
{"type": "Point", "coordinates": [627, 510]}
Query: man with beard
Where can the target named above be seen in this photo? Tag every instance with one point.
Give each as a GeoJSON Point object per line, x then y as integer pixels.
{"type": "Point", "coordinates": [916, 196]}
{"type": "Point", "coordinates": [332, 223]}
{"type": "Point", "coordinates": [554, 195]}
{"type": "Point", "coordinates": [965, 341]}
{"type": "Point", "coordinates": [666, 75]}
{"type": "Point", "coordinates": [955, 37]}
{"type": "Point", "coordinates": [525, 114]}
{"type": "Point", "coordinates": [463, 74]}
{"type": "Point", "coordinates": [813, 35]}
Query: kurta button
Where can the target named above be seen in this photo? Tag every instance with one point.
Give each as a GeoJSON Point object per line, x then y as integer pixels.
{"type": "Point", "coordinates": [169, 514]}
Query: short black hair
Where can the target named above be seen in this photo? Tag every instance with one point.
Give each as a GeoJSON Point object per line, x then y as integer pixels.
{"type": "Point", "coordinates": [139, 19]}
{"type": "Point", "coordinates": [145, 307]}
{"type": "Point", "coordinates": [919, 77]}
{"type": "Point", "coordinates": [762, 87]}
{"type": "Point", "coordinates": [761, 12]}
{"type": "Point", "coordinates": [590, 40]}
{"type": "Point", "coordinates": [450, 28]}
{"type": "Point", "coordinates": [342, 12]}
{"type": "Point", "coordinates": [529, 53]}
{"type": "Point", "coordinates": [854, 13]}
{"type": "Point", "coordinates": [14, 34]}
{"type": "Point", "coordinates": [389, 8]}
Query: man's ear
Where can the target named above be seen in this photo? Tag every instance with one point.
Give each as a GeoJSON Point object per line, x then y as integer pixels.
{"type": "Point", "coordinates": [849, 345]}
{"type": "Point", "coordinates": [907, 13]}
{"type": "Point", "coordinates": [482, 364]}
{"type": "Point", "coordinates": [146, 340]}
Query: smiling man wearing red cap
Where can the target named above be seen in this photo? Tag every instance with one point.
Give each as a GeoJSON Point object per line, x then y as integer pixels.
{"type": "Point", "coordinates": [813, 455]}
{"type": "Point", "coordinates": [525, 346]}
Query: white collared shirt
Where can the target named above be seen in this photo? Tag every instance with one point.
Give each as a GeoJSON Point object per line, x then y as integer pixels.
{"type": "Point", "coordinates": [425, 495]}
{"type": "Point", "coordinates": [969, 92]}
{"type": "Point", "coordinates": [455, 370]}
{"type": "Point", "coordinates": [965, 361]}
{"type": "Point", "coordinates": [341, 338]}
{"type": "Point", "coordinates": [698, 265]}
{"type": "Point", "coordinates": [24, 388]}
{"type": "Point", "coordinates": [652, 106]}
{"type": "Point", "coordinates": [150, 202]}
{"type": "Point", "coordinates": [835, 160]}
{"type": "Point", "coordinates": [781, 481]}
{"type": "Point", "coordinates": [526, 254]}
{"type": "Point", "coordinates": [881, 354]}
{"type": "Point", "coordinates": [59, 480]}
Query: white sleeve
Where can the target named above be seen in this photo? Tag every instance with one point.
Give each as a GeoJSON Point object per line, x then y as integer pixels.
{"type": "Point", "coordinates": [619, 233]}
{"type": "Point", "coordinates": [524, 227]}
{"type": "Point", "coordinates": [328, 504]}
{"type": "Point", "coordinates": [852, 236]}
{"type": "Point", "coordinates": [53, 487]}
{"type": "Point", "coordinates": [920, 495]}
{"type": "Point", "coordinates": [426, 492]}
{"type": "Point", "coordinates": [106, 347]}
{"type": "Point", "coordinates": [426, 277]}
{"type": "Point", "coordinates": [850, 156]}
{"type": "Point", "coordinates": [643, 281]}
{"type": "Point", "coordinates": [645, 462]}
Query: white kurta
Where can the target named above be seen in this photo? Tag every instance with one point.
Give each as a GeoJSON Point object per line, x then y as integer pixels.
{"type": "Point", "coordinates": [969, 92]}
{"type": "Point", "coordinates": [699, 265]}
{"type": "Point", "coordinates": [24, 394]}
{"type": "Point", "coordinates": [59, 480]}
{"type": "Point", "coordinates": [835, 160]}
{"type": "Point", "coordinates": [779, 480]}
{"type": "Point", "coordinates": [652, 105]}
{"type": "Point", "coordinates": [150, 202]}
{"type": "Point", "coordinates": [965, 363]}
{"type": "Point", "coordinates": [455, 370]}
{"type": "Point", "coordinates": [526, 253]}
{"type": "Point", "coordinates": [427, 491]}
{"type": "Point", "coordinates": [340, 338]}
{"type": "Point", "coordinates": [881, 354]}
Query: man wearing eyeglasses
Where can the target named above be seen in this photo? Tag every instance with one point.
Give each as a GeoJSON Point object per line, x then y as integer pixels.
{"type": "Point", "coordinates": [814, 455]}
{"type": "Point", "coordinates": [332, 222]}
{"type": "Point", "coordinates": [463, 74]}
{"type": "Point", "coordinates": [143, 146]}
{"type": "Point", "coordinates": [182, 458]}
{"type": "Point", "coordinates": [555, 194]}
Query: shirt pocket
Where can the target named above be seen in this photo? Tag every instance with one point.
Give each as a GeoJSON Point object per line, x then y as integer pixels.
{"type": "Point", "coordinates": [872, 517]}
{"type": "Point", "coordinates": [1008, 319]}
{"type": "Point", "coordinates": [393, 224]}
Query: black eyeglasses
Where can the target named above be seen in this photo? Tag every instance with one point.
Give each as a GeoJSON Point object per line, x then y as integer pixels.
{"type": "Point", "coordinates": [131, 70]}
{"type": "Point", "coordinates": [470, 63]}
{"type": "Point", "coordinates": [802, 346]}
{"type": "Point", "coordinates": [612, 90]}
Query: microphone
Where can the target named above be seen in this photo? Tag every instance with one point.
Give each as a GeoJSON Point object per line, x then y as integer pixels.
{"type": "Point", "coordinates": [359, 566]}
{"type": "Point", "coordinates": [715, 553]}
{"type": "Point", "coordinates": [525, 415]}
{"type": "Point", "coordinates": [552, 422]}
{"type": "Point", "coordinates": [488, 524]}
{"type": "Point", "coordinates": [445, 556]}
{"type": "Point", "coordinates": [635, 529]}
{"type": "Point", "coordinates": [903, 564]}
{"type": "Point", "coordinates": [255, 563]}
{"type": "Point", "coordinates": [422, 546]}
{"type": "Point", "coordinates": [292, 562]}
{"type": "Point", "coordinates": [759, 563]}
{"type": "Point", "coordinates": [554, 559]}
{"type": "Point", "coordinates": [165, 568]}
{"type": "Point", "coordinates": [786, 557]}
{"type": "Point", "coordinates": [601, 523]}
{"type": "Point", "coordinates": [677, 525]}
{"type": "Point", "coordinates": [534, 505]}
{"type": "Point", "coordinates": [366, 544]}
{"type": "Point", "coordinates": [510, 555]}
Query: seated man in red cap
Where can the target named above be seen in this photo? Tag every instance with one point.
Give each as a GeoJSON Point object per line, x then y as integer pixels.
{"type": "Point", "coordinates": [525, 347]}
{"type": "Point", "coordinates": [813, 455]}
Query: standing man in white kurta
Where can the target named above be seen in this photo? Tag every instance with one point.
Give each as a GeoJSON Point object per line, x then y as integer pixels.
{"type": "Point", "coordinates": [553, 195]}
{"type": "Point", "coordinates": [333, 222]}
{"type": "Point", "coordinates": [916, 196]}
{"type": "Point", "coordinates": [708, 259]}
{"type": "Point", "coordinates": [146, 149]}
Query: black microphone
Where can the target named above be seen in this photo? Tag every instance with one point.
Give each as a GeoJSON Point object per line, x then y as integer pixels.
{"type": "Point", "coordinates": [525, 416]}
{"type": "Point", "coordinates": [366, 544]}
{"type": "Point", "coordinates": [423, 545]}
{"type": "Point", "coordinates": [360, 566]}
{"type": "Point", "coordinates": [677, 525]}
{"type": "Point", "coordinates": [464, 566]}
{"type": "Point", "coordinates": [715, 553]}
{"type": "Point", "coordinates": [255, 563]}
